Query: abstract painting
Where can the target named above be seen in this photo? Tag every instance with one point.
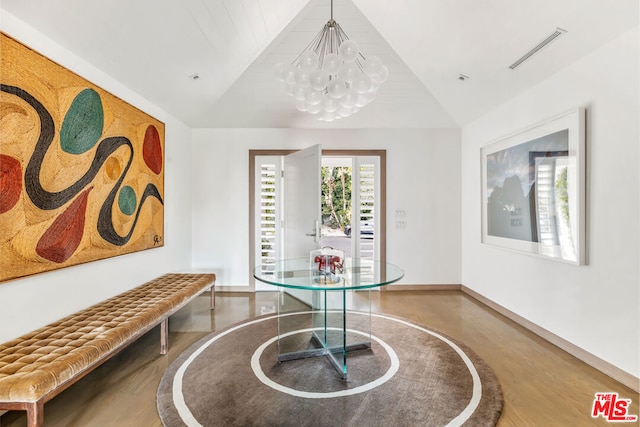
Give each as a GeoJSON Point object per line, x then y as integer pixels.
{"type": "Point", "coordinates": [533, 189]}
{"type": "Point", "coordinates": [81, 171]}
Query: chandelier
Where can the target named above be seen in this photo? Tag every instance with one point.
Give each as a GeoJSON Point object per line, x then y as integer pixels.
{"type": "Point", "coordinates": [331, 78]}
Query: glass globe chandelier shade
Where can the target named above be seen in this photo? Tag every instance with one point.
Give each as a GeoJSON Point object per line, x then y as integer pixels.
{"type": "Point", "coordinates": [331, 78]}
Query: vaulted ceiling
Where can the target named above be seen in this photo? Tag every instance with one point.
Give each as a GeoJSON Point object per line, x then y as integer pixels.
{"type": "Point", "coordinates": [155, 47]}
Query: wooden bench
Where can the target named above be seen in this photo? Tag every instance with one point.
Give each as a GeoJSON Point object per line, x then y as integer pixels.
{"type": "Point", "coordinates": [36, 367]}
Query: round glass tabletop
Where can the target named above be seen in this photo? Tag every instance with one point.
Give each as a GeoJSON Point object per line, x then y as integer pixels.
{"type": "Point", "coordinates": [300, 273]}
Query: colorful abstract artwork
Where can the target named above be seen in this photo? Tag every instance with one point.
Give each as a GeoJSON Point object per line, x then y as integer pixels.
{"type": "Point", "coordinates": [81, 171]}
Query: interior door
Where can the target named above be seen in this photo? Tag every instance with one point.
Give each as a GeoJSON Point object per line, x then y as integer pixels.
{"type": "Point", "coordinates": [302, 206]}
{"type": "Point", "coordinates": [302, 198]}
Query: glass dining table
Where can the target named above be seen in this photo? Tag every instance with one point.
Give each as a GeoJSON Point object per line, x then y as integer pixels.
{"type": "Point", "coordinates": [336, 314]}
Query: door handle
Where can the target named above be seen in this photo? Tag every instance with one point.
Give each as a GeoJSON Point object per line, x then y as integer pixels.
{"type": "Point", "coordinates": [316, 231]}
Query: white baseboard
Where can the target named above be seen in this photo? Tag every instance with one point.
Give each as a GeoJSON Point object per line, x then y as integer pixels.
{"type": "Point", "coordinates": [223, 288]}
{"type": "Point", "coordinates": [392, 288]}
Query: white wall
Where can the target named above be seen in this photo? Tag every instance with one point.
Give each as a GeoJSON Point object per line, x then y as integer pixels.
{"type": "Point", "coordinates": [28, 303]}
{"type": "Point", "coordinates": [596, 307]}
{"type": "Point", "coordinates": [423, 179]}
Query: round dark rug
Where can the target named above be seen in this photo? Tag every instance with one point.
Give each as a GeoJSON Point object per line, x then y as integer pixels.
{"type": "Point", "coordinates": [411, 376]}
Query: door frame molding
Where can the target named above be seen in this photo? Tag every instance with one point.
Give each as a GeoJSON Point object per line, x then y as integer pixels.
{"type": "Point", "coordinates": [253, 153]}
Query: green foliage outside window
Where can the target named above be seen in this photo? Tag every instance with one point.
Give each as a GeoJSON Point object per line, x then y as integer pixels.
{"type": "Point", "coordinates": [336, 196]}
{"type": "Point", "coordinates": [563, 194]}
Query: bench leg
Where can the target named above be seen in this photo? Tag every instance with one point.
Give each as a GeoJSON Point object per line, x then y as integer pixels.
{"type": "Point", "coordinates": [164, 336]}
{"type": "Point", "coordinates": [35, 414]}
{"type": "Point", "coordinates": [212, 289]}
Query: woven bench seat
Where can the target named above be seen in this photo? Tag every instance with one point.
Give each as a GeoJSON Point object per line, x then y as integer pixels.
{"type": "Point", "coordinates": [39, 365]}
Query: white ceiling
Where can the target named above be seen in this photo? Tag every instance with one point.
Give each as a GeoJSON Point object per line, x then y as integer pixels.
{"type": "Point", "coordinates": [155, 46]}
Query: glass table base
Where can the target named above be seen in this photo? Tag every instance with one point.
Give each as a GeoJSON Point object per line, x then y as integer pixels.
{"type": "Point", "coordinates": [327, 328]}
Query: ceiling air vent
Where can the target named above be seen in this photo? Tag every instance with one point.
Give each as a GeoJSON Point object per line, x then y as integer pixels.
{"type": "Point", "coordinates": [544, 43]}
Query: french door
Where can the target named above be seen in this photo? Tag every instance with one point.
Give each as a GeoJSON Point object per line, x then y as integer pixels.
{"type": "Point", "coordinates": [283, 203]}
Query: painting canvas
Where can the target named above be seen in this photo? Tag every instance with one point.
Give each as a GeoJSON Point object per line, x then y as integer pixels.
{"type": "Point", "coordinates": [533, 189]}
{"type": "Point", "coordinates": [81, 171]}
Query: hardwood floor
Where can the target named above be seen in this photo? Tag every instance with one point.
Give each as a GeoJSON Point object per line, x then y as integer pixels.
{"type": "Point", "coordinates": [542, 385]}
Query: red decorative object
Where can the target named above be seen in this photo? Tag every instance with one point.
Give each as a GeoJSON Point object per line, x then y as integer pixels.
{"type": "Point", "coordinates": [328, 262]}
{"type": "Point", "coordinates": [152, 149]}
{"type": "Point", "coordinates": [10, 182]}
{"type": "Point", "coordinates": [63, 237]}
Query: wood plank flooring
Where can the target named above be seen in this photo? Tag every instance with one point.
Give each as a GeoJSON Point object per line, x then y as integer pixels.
{"type": "Point", "coordinates": [542, 385]}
